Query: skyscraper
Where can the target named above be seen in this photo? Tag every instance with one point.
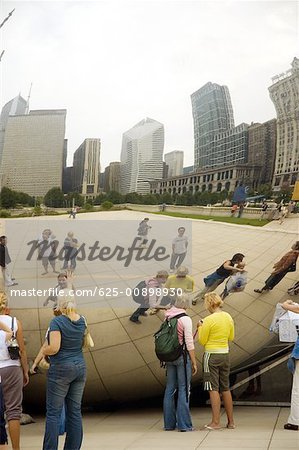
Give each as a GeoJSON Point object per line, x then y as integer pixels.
{"type": "Point", "coordinates": [284, 93]}
{"type": "Point", "coordinates": [112, 177]}
{"type": "Point", "coordinates": [16, 106]}
{"type": "Point", "coordinates": [142, 156]}
{"type": "Point", "coordinates": [32, 158]}
{"type": "Point", "coordinates": [212, 114]}
{"type": "Point", "coordinates": [175, 163]}
{"type": "Point", "coordinates": [86, 168]}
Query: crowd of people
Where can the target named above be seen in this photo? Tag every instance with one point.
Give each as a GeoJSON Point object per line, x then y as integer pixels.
{"type": "Point", "coordinates": [171, 291]}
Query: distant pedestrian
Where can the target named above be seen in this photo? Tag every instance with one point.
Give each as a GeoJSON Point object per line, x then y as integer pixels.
{"type": "Point", "coordinates": [286, 264]}
{"type": "Point", "coordinates": [179, 249]}
{"type": "Point", "coordinates": [73, 212]}
{"type": "Point", "coordinates": [233, 210]}
{"type": "Point", "coordinates": [143, 230]}
{"type": "Point", "coordinates": [241, 209]}
{"type": "Point", "coordinates": [5, 260]}
{"type": "Point", "coordinates": [70, 252]}
{"type": "Point", "coordinates": [264, 209]}
{"type": "Point", "coordinates": [47, 244]}
{"type": "Point", "coordinates": [283, 214]}
{"type": "Point", "coordinates": [291, 207]}
{"type": "Point", "coordinates": [214, 333]}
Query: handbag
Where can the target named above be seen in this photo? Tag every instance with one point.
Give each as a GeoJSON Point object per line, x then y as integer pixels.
{"type": "Point", "coordinates": [12, 344]}
{"type": "Point", "coordinates": [292, 267]}
{"type": "Point", "coordinates": [87, 339]}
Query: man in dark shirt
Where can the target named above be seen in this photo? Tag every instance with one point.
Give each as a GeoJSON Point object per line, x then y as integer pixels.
{"type": "Point", "coordinates": [4, 261]}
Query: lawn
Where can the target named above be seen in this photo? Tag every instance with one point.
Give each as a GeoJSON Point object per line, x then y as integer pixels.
{"type": "Point", "coordinates": [236, 220]}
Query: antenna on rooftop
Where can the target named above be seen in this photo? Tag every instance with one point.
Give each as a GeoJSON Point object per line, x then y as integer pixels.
{"type": "Point", "coordinates": [1, 25]}
{"type": "Point", "coordinates": [28, 98]}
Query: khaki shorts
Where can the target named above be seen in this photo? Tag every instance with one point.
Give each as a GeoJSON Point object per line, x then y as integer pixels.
{"type": "Point", "coordinates": [216, 369]}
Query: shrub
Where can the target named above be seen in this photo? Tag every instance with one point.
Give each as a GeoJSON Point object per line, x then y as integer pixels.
{"type": "Point", "coordinates": [4, 214]}
{"type": "Point", "coordinates": [107, 205]}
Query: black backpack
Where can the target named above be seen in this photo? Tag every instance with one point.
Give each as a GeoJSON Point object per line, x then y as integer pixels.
{"type": "Point", "coordinates": [167, 345]}
{"type": "Point", "coordinates": [137, 295]}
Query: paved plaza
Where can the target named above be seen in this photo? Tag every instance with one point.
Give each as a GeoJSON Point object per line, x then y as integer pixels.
{"type": "Point", "coordinates": [259, 428]}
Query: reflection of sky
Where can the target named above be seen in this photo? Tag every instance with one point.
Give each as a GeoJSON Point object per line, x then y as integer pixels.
{"type": "Point", "coordinates": [112, 273]}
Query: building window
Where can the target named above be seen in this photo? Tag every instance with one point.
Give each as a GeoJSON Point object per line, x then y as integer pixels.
{"type": "Point", "coordinates": [219, 187]}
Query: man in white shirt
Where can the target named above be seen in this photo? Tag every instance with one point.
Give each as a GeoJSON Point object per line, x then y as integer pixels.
{"type": "Point", "coordinates": [179, 249]}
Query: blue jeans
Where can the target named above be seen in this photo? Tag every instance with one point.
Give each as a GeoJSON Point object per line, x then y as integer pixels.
{"type": "Point", "coordinates": [65, 384]}
{"type": "Point", "coordinates": [179, 415]}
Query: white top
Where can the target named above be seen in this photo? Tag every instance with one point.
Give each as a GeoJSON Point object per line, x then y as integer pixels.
{"type": "Point", "coordinates": [180, 244]}
{"type": "Point", "coordinates": [5, 360]}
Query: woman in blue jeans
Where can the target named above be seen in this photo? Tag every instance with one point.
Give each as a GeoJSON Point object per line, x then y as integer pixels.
{"type": "Point", "coordinates": [66, 375]}
{"type": "Point", "coordinates": [179, 374]}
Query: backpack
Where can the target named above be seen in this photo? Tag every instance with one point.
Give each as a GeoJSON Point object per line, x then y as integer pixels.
{"type": "Point", "coordinates": [167, 345]}
{"type": "Point", "coordinates": [137, 295]}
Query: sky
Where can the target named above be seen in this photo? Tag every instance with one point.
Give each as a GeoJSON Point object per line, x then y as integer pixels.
{"type": "Point", "coordinates": [113, 63]}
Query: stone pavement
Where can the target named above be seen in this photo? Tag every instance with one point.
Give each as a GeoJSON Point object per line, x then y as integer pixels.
{"type": "Point", "coordinates": [256, 428]}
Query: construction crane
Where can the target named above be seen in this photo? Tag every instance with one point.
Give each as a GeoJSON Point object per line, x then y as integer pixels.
{"type": "Point", "coordinates": [1, 25]}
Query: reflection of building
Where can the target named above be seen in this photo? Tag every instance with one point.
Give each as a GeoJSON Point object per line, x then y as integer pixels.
{"type": "Point", "coordinates": [217, 142]}
{"type": "Point", "coordinates": [284, 93]}
{"type": "Point", "coordinates": [210, 180]}
{"type": "Point", "coordinates": [262, 148]}
{"type": "Point", "coordinates": [175, 163]}
{"type": "Point", "coordinates": [112, 177]}
{"type": "Point", "coordinates": [141, 156]}
{"type": "Point", "coordinates": [15, 107]}
{"type": "Point", "coordinates": [67, 180]}
{"type": "Point", "coordinates": [188, 169]}
{"type": "Point", "coordinates": [32, 159]}
{"type": "Point", "coordinates": [86, 168]}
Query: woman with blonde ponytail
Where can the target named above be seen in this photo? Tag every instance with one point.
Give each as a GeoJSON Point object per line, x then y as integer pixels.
{"type": "Point", "coordinates": [66, 375]}
{"type": "Point", "coordinates": [13, 372]}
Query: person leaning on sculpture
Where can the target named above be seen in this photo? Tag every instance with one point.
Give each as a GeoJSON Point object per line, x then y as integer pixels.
{"type": "Point", "coordinates": [286, 264]}
{"type": "Point", "coordinates": [293, 419]}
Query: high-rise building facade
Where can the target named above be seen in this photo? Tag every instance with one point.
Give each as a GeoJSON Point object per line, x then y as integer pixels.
{"type": "Point", "coordinates": [175, 163]}
{"type": "Point", "coordinates": [32, 159]}
{"type": "Point", "coordinates": [212, 114]}
{"type": "Point", "coordinates": [262, 148]}
{"type": "Point", "coordinates": [284, 93]}
{"type": "Point", "coordinates": [142, 156]}
{"type": "Point", "coordinates": [112, 177]}
{"type": "Point", "coordinates": [16, 106]}
{"type": "Point", "coordinates": [86, 168]}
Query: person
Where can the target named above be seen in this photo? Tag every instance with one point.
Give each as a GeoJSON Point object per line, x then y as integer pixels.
{"type": "Point", "coordinates": [142, 231]}
{"type": "Point", "coordinates": [47, 247]}
{"type": "Point", "coordinates": [62, 284]}
{"type": "Point", "coordinates": [73, 212]}
{"type": "Point", "coordinates": [13, 373]}
{"type": "Point", "coordinates": [241, 209]}
{"type": "Point", "coordinates": [286, 264]}
{"type": "Point", "coordinates": [178, 416]}
{"type": "Point", "coordinates": [34, 370]}
{"type": "Point", "coordinates": [179, 249]}
{"type": "Point", "coordinates": [70, 252]}
{"type": "Point", "coordinates": [212, 281]}
{"type": "Point", "coordinates": [264, 211]}
{"type": "Point", "coordinates": [283, 214]}
{"type": "Point", "coordinates": [4, 261]}
{"type": "Point", "coordinates": [181, 280]}
{"type": "Point", "coordinates": [154, 296]}
{"type": "Point", "coordinates": [291, 207]}
{"type": "Point", "coordinates": [3, 434]}
{"type": "Point", "coordinates": [293, 419]}
{"type": "Point", "coordinates": [66, 375]}
{"type": "Point", "coordinates": [214, 333]}
{"type": "Point", "coordinates": [236, 282]}
{"type": "Point", "coordinates": [233, 210]}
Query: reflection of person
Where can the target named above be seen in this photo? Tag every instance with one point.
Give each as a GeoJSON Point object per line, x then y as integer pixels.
{"type": "Point", "coordinates": [212, 281]}
{"type": "Point", "coordinates": [233, 210]}
{"type": "Point", "coordinates": [293, 420]}
{"type": "Point", "coordinates": [179, 249]}
{"type": "Point", "coordinates": [154, 296]}
{"type": "Point", "coordinates": [281, 268]}
{"type": "Point", "coordinates": [143, 230]}
{"type": "Point", "coordinates": [214, 332]}
{"type": "Point", "coordinates": [236, 282]}
{"type": "Point", "coordinates": [178, 372]}
{"type": "Point", "coordinates": [62, 284]}
{"type": "Point", "coordinates": [4, 261]}
{"type": "Point", "coordinates": [13, 373]}
{"type": "Point", "coordinates": [264, 209]}
{"type": "Point", "coordinates": [181, 280]}
{"type": "Point", "coordinates": [47, 244]}
{"type": "Point", "coordinates": [66, 375]}
{"type": "Point", "coordinates": [70, 251]}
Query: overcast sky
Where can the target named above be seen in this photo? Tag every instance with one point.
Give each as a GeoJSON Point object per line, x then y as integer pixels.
{"type": "Point", "coordinates": [112, 63]}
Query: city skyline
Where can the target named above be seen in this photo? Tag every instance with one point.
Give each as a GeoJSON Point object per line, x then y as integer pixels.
{"type": "Point", "coordinates": [129, 62]}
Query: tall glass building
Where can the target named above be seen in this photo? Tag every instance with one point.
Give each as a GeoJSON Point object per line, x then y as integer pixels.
{"type": "Point", "coordinates": [217, 141]}
{"type": "Point", "coordinates": [142, 156]}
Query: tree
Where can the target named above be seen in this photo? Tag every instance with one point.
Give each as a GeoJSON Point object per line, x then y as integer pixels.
{"type": "Point", "coordinates": [8, 198]}
{"type": "Point", "coordinates": [133, 197]}
{"type": "Point", "coordinates": [78, 199]}
{"type": "Point", "coordinates": [149, 199]}
{"type": "Point", "coordinates": [54, 198]}
{"type": "Point", "coordinates": [24, 199]}
{"type": "Point", "coordinates": [115, 197]}
{"type": "Point", "coordinates": [100, 199]}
